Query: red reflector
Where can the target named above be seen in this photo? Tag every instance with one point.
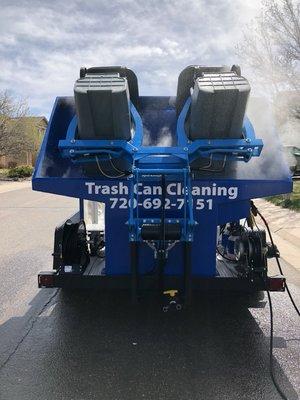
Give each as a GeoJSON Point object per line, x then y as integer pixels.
{"type": "Point", "coordinates": [276, 284]}
{"type": "Point", "coordinates": [46, 280]}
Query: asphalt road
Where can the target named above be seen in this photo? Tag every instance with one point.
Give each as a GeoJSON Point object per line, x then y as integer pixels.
{"type": "Point", "coordinates": [82, 346]}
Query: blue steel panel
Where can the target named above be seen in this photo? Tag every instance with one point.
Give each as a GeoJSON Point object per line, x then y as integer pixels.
{"type": "Point", "coordinates": [203, 247]}
{"type": "Point", "coordinates": [58, 175]}
{"type": "Point", "coordinates": [72, 187]}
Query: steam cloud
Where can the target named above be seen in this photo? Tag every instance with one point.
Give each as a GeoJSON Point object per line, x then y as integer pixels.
{"type": "Point", "coordinates": [162, 139]}
{"type": "Point", "coordinates": [272, 164]}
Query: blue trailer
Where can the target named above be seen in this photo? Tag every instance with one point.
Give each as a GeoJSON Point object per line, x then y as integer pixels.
{"type": "Point", "coordinates": [171, 174]}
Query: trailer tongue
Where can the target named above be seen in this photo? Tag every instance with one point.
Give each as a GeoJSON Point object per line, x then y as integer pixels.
{"type": "Point", "coordinates": [165, 172]}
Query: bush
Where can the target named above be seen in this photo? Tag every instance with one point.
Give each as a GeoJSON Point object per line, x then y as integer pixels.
{"type": "Point", "coordinates": [22, 171]}
{"type": "Point", "coordinates": [3, 173]}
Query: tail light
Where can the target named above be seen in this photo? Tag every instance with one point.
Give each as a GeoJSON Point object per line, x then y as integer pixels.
{"type": "Point", "coordinates": [46, 279]}
{"type": "Point", "coordinates": [276, 284]}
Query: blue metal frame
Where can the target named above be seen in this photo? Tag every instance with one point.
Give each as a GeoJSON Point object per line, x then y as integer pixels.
{"type": "Point", "coordinates": [186, 219]}
{"type": "Point", "coordinates": [73, 148]}
{"type": "Point", "coordinates": [188, 151]}
{"type": "Point", "coordinates": [238, 149]}
{"type": "Point", "coordinates": [57, 172]}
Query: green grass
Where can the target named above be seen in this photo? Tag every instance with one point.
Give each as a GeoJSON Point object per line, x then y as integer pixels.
{"type": "Point", "coordinates": [291, 201]}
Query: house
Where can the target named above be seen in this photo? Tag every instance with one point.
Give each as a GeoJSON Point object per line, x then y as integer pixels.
{"type": "Point", "coordinates": [35, 127]}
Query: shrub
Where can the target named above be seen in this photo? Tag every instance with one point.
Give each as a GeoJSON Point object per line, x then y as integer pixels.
{"type": "Point", "coordinates": [3, 173]}
{"type": "Point", "coordinates": [22, 171]}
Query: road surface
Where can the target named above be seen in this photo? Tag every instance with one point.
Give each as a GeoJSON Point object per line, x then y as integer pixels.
{"type": "Point", "coordinates": [82, 346]}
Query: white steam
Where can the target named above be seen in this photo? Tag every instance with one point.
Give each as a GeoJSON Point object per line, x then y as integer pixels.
{"type": "Point", "coordinates": [146, 137]}
{"type": "Point", "coordinates": [290, 132]}
{"type": "Point", "coordinates": [272, 163]}
{"type": "Point", "coordinates": [162, 139]}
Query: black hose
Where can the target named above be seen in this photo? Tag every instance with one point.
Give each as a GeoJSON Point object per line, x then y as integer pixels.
{"type": "Point", "coordinates": [271, 364]}
{"type": "Point", "coordinates": [117, 169]}
{"type": "Point", "coordinates": [123, 173]}
{"type": "Point", "coordinates": [223, 255]}
{"type": "Point", "coordinates": [256, 211]}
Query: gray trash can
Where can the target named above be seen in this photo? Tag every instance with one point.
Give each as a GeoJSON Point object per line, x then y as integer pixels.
{"type": "Point", "coordinates": [102, 107]}
{"type": "Point", "coordinates": [218, 106]}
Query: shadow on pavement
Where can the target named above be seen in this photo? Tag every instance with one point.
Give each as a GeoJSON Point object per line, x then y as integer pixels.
{"type": "Point", "coordinates": [98, 346]}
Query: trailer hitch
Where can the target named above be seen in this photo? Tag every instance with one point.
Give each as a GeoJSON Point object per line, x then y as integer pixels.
{"type": "Point", "coordinates": [171, 301]}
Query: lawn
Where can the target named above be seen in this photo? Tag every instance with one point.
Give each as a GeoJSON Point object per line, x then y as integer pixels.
{"type": "Point", "coordinates": [291, 201]}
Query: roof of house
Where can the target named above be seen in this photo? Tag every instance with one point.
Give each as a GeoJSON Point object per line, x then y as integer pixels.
{"type": "Point", "coordinates": [37, 119]}
{"type": "Point", "coordinates": [34, 124]}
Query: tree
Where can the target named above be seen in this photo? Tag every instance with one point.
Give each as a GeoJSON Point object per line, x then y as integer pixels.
{"type": "Point", "coordinates": [271, 46]}
{"type": "Point", "coordinates": [284, 23]}
{"type": "Point", "coordinates": [14, 138]}
{"type": "Point", "coordinates": [271, 50]}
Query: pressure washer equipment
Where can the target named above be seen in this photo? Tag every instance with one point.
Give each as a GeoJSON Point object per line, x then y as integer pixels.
{"type": "Point", "coordinates": [172, 175]}
{"type": "Point", "coordinates": [161, 218]}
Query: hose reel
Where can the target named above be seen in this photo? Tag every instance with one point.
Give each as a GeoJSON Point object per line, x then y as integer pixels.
{"type": "Point", "coordinates": [74, 245]}
{"type": "Point", "coordinates": [251, 250]}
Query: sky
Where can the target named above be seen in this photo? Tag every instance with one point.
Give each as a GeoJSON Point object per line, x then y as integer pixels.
{"type": "Point", "coordinates": [43, 44]}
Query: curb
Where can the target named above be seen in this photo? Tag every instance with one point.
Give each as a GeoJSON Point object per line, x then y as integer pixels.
{"type": "Point", "coordinates": [12, 186]}
{"type": "Point", "coordinates": [288, 252]}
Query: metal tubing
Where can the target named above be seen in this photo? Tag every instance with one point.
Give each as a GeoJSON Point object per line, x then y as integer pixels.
{"type": "Point", "coordinates": [81, 208]}
{"type": "Point", "coordinates": [161, 260]}
{"type": "Point", "coordinates": [187, 274]}
{"type": "Point", "coordinates": [134, 271]}
{"type": "Point", "coordinates": [163, 212]}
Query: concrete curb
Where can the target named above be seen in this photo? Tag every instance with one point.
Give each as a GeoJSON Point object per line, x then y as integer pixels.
{"type": "Point", "coordinates": [289, 236]}
{"type": "Point", "coordinates": [288, 251]}
{"type": "Point", "coordinates": [11, 186]}
{"type": "Point", "coordinates": [285, 228]}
